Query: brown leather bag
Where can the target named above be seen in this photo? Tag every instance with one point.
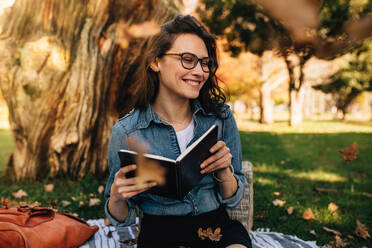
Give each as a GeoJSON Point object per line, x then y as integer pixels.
{"type": "Point", "coordinates": [42, 228]}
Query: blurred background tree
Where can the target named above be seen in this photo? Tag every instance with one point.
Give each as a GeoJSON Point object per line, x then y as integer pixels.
{"type": "Point", "coordinates": [66, 69]}
{"type": "Point", "coordinates": [296, 29]}
{"type": "Point", "coordinates": [351, 81]}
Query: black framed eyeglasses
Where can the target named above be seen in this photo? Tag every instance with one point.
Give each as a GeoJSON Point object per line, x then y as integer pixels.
{"type": "Point", "coordinates": [190, 61]}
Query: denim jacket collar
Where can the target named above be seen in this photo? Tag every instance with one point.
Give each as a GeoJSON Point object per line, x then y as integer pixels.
{"type": "Point", "coordinates": [149, 114]}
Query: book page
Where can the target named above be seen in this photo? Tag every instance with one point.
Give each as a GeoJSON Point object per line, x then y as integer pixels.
{"type": "Point", "coordinates": [151, 156]}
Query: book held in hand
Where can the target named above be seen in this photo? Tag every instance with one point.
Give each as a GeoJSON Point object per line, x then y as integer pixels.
{"type": "Point", "coordinates": [182, 174]}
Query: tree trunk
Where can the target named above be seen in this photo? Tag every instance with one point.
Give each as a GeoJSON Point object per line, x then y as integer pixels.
{"type": "Point", "coordinates": [65, 80]}
{"type": "Point", "coordinates": [271, 77]}
{"type": "Point", "coordinates": [295, 66]}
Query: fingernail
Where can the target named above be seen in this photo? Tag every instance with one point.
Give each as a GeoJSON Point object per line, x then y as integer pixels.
{"type": "Point", "coordinates": [202, 166]}
{"type": "Point", "coordinates": [134, 166]}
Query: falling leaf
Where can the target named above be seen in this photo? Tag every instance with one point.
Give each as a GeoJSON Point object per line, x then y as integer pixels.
{"type": "Point", "coordinates": [19, 194]}
{"type": "Point", "coordinates": [94, 201]}
{"type": "Point", "coordinates": [332, 231]}
{"type": "Point", "coordinates": [312, 232]}
{"type": "Point", "coordinates": [290, 210]}
{"type": "Point", "coordinates": [350, 152]}
{"type": "Point", "coordinates": [278, 202]}
{"type": "Point", "coordinates": [101, 188]}
{"type": "Point", "coordinates": [65, 203]}
{"type": "Point", "coordinates": [49, 187]}
{"type": "Point", "coordinates": [332, 207]}
{"type": "Point", "coordinates": [308, 215]}
{"type": "Point", "coordinates": [361, 230]}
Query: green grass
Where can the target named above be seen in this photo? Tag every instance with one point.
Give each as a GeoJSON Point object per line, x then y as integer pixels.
{"type": "Point", "coordinates": [292, 161]}
{"type": "Point", "coordinates": [295, 161]}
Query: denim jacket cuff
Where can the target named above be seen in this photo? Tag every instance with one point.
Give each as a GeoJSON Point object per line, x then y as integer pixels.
{"type": "Point", "coordinates": [131, 218]}
{"type": "Point", "coordinates": [234, 200]}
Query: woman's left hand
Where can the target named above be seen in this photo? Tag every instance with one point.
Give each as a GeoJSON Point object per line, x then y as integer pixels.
{"type": "Point", "coordinates": [221, 159]}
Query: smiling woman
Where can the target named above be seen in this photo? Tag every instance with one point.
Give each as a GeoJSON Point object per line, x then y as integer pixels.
{"type": "Point", "coordinates": [176, 99]}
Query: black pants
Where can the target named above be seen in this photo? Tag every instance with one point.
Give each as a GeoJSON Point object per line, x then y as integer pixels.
{"type": "Point", "coordinates": [175, 231]}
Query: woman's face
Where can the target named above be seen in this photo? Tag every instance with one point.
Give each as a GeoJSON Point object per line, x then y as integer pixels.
{"type": "Point", "coordinates": [174, 80]}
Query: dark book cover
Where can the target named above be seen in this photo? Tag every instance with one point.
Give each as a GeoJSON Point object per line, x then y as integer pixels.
{"type": "Point", "coordinates": [182, 174]}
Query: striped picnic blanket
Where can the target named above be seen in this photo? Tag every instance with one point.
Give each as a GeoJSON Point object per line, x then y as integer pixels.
{"type": "Point", "coordinates": [109, 236]}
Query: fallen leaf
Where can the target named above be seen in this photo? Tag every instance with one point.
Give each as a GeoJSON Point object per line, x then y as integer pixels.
{"type": "Point", "coordinates": [73, 198]}
{"type": "Point", "coordinates": [35, 204]}
{"type": "Point", "coordinates": [290, 210]}
{"type": "Point", "coordinates": [278, 202]}
{"type": "Point", "coordinates": [312, 232]}
{"type": "Point", "coordinates": [81, 203]}
{"type": "Point", "coordinates": [49, 187]}
{"type": "Point", "coordinates": [326, 190]}
{"type": "Point", "coordinates": [101, 188]}
{"type": "Point", "coordinates": [19, 194]}
{"type": "Point", "coordinates": [340, 242]}
{"type": "Point", "coordinates": [263, 215]}
{"type": "Point", "coordinates": [94, 201]}
{"type": "Point", "coordinates": [350, 237]}
{"type": "Point", "coordinates": [277, 193]}
{"type": "Point", "coordinates": [308, 215]}
{"type": "Point", "coordinates": [209, 233]}
{"type": "Point", "coordinates": [367, 194]}
{"type": "Point", "coordinates": [332, 207]}
{"type": "Point", "coordinates": [361, 230]}
{"type": "Point", "coordinates": [350, 152]}
{"type": "Point", "coordinates": [65, 203]}
{"type": "Point", "coordinates": [332, 231]}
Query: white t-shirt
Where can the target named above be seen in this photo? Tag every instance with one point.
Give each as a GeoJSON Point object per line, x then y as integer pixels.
{"type": "Point", "coordinates": [185, 136]}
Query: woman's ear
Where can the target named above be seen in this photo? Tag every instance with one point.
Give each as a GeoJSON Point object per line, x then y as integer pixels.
{"type": "Point", "coordinates": [154, 65]}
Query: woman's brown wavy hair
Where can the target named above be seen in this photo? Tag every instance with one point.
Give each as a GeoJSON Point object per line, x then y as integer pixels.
{"type": "Point", "coordinates": [146, 84]}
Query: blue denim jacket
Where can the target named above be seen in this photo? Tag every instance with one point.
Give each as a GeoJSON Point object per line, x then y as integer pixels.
{"type": "Point", "coordinates": [161, 139]}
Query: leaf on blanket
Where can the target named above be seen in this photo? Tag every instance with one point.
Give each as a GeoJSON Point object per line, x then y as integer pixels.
{"type": "Point", "coordinates": [361, 230]}
{"type": "Point", "coordinates": [278, 202]}
{"type": "Point", "coordinates": [332, 207]}
{"type": "Point", "coordinates": [290, 210]}
{"type": "Point", "coordinates": [19, 194]}
{"type": "Point", "coordinates": [49, 187]}
{"type": "Point", "coordinates": [332, 231]}
{"type": "Point", "coordinates": [308, 215]}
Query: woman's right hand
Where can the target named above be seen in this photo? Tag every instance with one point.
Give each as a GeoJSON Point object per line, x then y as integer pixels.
{"type": "Point", "coordinates": [124, 188]}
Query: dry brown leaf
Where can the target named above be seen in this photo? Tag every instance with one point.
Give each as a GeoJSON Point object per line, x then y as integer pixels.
{"type": "Point", "coordinates": [340, 242]}
{"type": "Point", "coordinates": [312, 232]}
{"type": "Point", "coordinates": [94, 201]}
{"type": "Point", "coordinates": [81, 203]}
{"type": "Point", "coordinates": [263, 215]}
{"type": "Point", "coordinates": [101, 188]}
{"type": "Point", "coordinates": [332, 231]}
{"type": "Point", "coordinates": [73, 198]}
{"type": "Point", "coordinates": [35, 204]}
{"type": "Point", "coordinates": [49, 187]}
{"type": "Point", "coordinates": [350, 152]}
{"type": "Point", "coordinates": [361, 230]}
{"type": "Point", "coordinates": [65, 203]}
{"type": "Point", "coordinates": [308, 215]}
{"type": "Point", "coordinates": [277, 193]}
{"type": "Point", "coordinates": [278, 202]}
{"type": "Point", "coordinates": [290, 210]}
{"type": "Point", "coordinates": [332, 207]}
{"type": "Point", "coordinates": [19, 194]}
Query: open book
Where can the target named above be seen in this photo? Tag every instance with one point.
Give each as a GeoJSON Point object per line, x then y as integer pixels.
{"type": "Point", "coordinates": [182, 174]}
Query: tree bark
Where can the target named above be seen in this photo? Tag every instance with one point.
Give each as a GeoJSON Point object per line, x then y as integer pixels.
{"type": "Point", "coordinates": [65, 80]}
{"type": "Point", "coordinates": [271, 77]}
